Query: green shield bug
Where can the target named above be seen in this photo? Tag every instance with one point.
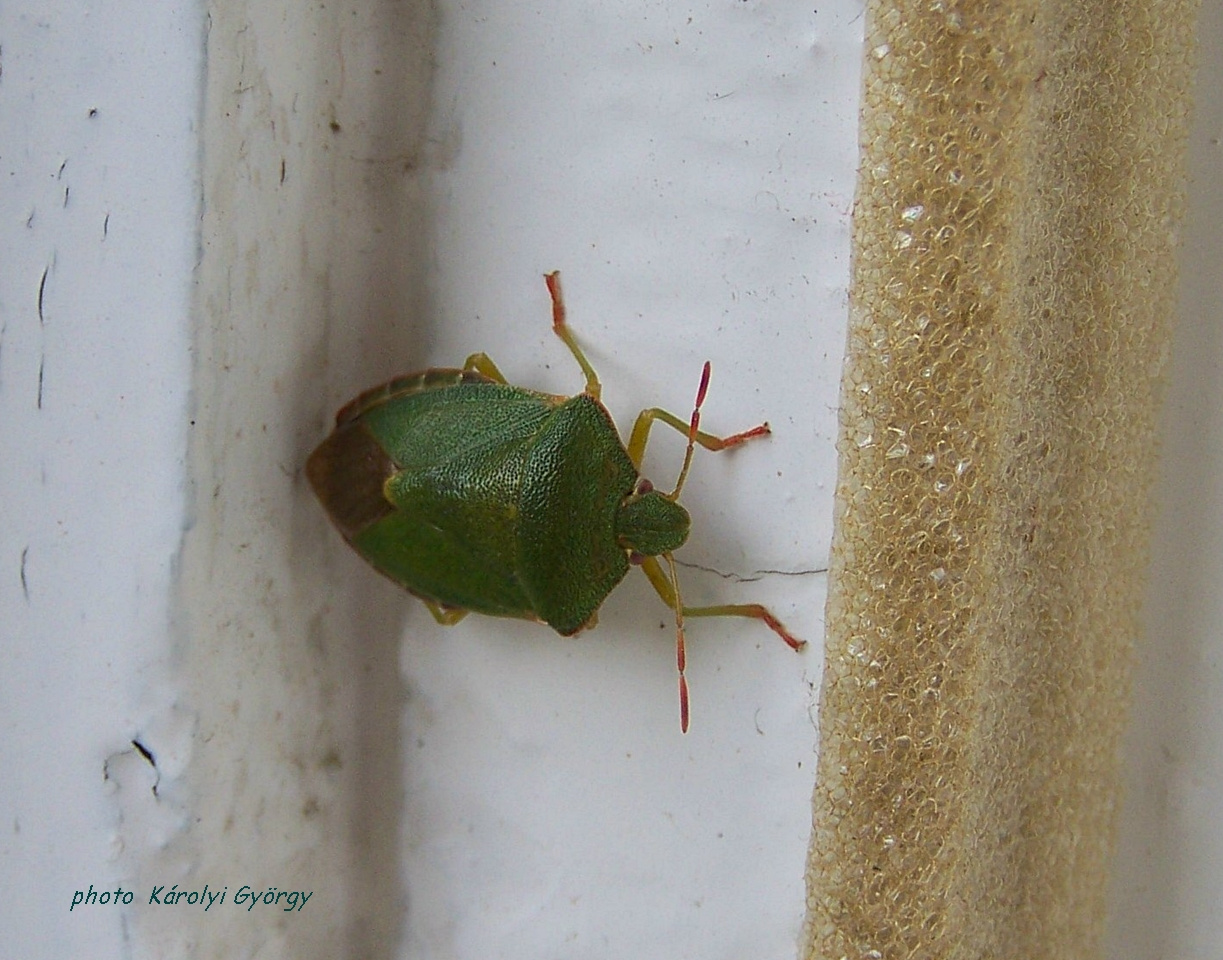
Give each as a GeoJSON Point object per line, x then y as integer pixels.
{"type": "Point", "coordinates": [476, 495]}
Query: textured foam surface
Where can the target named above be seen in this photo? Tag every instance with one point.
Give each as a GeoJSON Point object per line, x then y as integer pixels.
{"type": "Point", "coordinates": [1015, 239]}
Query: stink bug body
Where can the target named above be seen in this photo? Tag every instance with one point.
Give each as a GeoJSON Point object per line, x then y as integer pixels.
{"type": "Point", "coordinates": [475, 495]}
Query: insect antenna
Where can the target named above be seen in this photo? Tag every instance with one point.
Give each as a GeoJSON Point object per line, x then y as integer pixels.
{"type": "Point", "coordinates": [680, 659]}
{"type": "Point", "coordinates": [693, 426]}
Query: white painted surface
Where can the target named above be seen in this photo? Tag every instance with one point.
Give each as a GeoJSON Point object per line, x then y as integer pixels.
{"type": "Point", "coordinates": [99, 196]}
{"type": "Point", "coordinates": [1169, 869]}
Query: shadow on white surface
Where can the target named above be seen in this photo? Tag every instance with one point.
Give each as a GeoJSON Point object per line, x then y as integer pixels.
{"type": "Point", "coordinates": [1170, 855]}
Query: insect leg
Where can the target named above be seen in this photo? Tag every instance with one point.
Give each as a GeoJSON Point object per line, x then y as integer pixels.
{"type": "Point", "coordinates": [645, 420]}
{"type": "Point", "coordinates": [561, 329]}
{"type": "Point", "coordinates": [664, 589]}
{"type": "Point", "coordinates": [482, 363]}
{"type": "Point", "coordinates": [446, 616]}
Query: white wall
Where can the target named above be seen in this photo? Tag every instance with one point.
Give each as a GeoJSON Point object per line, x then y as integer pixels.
{"type": "Point", "coordinates": [1170, 864]}
{"type": "Point", "coordinates": [99, 206]}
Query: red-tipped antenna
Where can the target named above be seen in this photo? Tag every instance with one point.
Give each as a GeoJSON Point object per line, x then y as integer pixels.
{"type": "Point", "coordinates": [680, 658]}
{"type": "Point", "coordinates": [693, 427]}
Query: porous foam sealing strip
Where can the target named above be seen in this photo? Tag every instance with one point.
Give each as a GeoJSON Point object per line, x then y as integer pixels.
{"type": "Point", "coordinates": [1015, 237]}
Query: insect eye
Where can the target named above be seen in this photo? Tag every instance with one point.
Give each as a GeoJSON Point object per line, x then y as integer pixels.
{"type": "Point", "coordinates": [643, 486]}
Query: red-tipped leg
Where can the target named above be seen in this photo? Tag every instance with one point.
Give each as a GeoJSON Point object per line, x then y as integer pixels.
{"type": "Point", "coordinates": [646, 419]}
{"type": "Point", "coordinates": [553, 280]}
{"type": "Point", "coordinates": [750, 610]}
{"type": "Point", "coordinates": [667, 589]}
{"type": "Point", "coordinates": [760, 431]}
{"type": "Point", "coordinates": [561, 329]}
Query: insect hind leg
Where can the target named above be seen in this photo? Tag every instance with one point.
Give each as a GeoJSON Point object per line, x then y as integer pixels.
{"type": "Point", "coordinates": [482, 363]}
{"type": "Point", "coordinates": [446, 616]}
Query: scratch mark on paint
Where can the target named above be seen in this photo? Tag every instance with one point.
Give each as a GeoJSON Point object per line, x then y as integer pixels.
{"type": "Point", "coordinates": [752, 577]}
{"type": "Point", "coordinates": [144, 752]}
{"type": "Point", "coordinates": [42, 323]}
{"type": "Point", "coordinates": [25, 586]}
{"type": "Point", "coordinates": [151, 760]}
{"type": "Point", "coordinates": [42, 289]}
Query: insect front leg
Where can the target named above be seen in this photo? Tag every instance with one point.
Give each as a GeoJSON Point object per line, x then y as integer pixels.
{"type": "Point", "coordinates": [482, 363]}
{"type": "Point", "coordinates": [663, 587]}
{"type": "Point", "coordinates": [668, 590]}
{"type": "Point", "coordinates": [645, 420]}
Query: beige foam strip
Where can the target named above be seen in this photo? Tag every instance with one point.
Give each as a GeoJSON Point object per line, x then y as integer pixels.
{"type": "Point", "coordinates": [1015, 240]}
